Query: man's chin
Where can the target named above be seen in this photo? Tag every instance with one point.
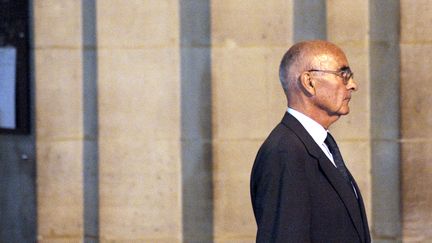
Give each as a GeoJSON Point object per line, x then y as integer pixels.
{"type": "Point", "coordinates": [344, 111]}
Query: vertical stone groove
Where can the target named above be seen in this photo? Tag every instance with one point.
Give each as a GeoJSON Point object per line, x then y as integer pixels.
{"type": "Point", "coordinates": [309, 20]}
{"type": "Point", "coordinates": [90, 120]}
{"type": "Point", "coordinates": [385, 113]}
{"type": "Point", "coordinates": [196, 127]}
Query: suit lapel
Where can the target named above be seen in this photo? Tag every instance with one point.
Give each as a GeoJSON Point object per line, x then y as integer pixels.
{"type": "Point", "coordinates": [345, 192]}
{"type": "Point", "coordinates": [343, 189]}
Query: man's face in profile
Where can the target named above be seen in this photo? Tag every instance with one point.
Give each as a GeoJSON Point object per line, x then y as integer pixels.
{"type": "Point", "coordinates": [333, 90]}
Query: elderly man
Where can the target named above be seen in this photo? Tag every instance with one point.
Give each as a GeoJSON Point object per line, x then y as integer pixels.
{"type": "Point", "coordinates": [301, 190]}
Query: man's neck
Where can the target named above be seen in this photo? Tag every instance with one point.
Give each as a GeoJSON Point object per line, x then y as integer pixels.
{"type": "Point", "coordinates": [317, 115]}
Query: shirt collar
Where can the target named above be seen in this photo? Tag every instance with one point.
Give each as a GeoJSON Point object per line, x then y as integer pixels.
{"type": "Point", "coordinates": [317, 131]}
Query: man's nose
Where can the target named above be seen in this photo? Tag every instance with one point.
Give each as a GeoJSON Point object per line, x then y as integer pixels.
{"type": "Point", "coordinates": [352, 85]}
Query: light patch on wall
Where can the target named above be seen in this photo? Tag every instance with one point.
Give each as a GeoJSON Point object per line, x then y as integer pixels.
{"type": "Point", "coordinates": [7, 87]}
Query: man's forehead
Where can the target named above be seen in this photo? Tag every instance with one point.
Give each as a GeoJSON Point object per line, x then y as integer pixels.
{"type": "Point", "coordinates": [335, 60]}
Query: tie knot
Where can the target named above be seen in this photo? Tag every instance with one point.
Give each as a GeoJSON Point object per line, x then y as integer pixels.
{"type": "Point", "coordinates": [330, 142]}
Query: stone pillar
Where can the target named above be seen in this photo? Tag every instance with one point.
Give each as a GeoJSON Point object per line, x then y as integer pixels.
{"type": "Point", "coordinates": [196, 127]}
{"type": "Point", "coordinates": [90, 122]}
{"type": "Point", "coordinates": [248, 41]}
{"type": "Point", "coordinates": [385, 113]}
{"type": "Point", "coordinates": [139, 121]}
{"type": "Point", "coordinates": [309, 20]}
{"type": "Point", "coordinates": [347, 27]}
{"type": "Point", "coordinates": [59, 120]}
{"type": "Point", "coordinates": [416, 120]}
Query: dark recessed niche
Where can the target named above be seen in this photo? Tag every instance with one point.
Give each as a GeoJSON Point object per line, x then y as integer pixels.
{"type": "Point", "coordinates": [14, 67]}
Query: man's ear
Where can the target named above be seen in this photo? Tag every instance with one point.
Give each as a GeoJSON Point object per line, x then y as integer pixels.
{"type": "Point", "coordinates": [307, 83]}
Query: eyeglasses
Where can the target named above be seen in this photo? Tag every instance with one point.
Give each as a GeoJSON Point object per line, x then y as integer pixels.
{"type": "Point", "coordinates": [345, 73]}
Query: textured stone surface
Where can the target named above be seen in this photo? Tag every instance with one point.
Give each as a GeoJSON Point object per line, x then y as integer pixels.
{"type": "Point", "coordinates": [59, 94]}
{"type": "Point", "coordinates": [416, 119]}
{"type": "Point", "coordinates": [347, 21]}
{"type": "Point", "coordinates": [59, 120]}
{"type": "Point", "coordinates": [196, 127]}
{"type": "Point", "coordinates": [248, 39]}
{"type": "Point", "coordinates": [136, 95]}
{"type": "Point", "coordinates": [415, 21]}
{"type": "Point", "coordinates": [385, 120]}
{"type": "Point", "coordinates": [139, 189]}
{"type": "Point", "coordinates": [233, 210]}
{"type": "Point", "coordinates": [57, 24]}
{"type": "Point", "coordinates": [415, 74]}
{"type": "Point", "coordinates": [417, 197]}
{"type": "Point", "coordinates": [137, 24]}
{"type": "Point", "coordinates": [139, 121]}
{"type": "Point", "coordinates": [241, 94]}
{"type": "Point", "coordinates": [60, 191]}
{"type": "Point", "coordinates": [251, 23]}
{"type": "Point", "coordinates": [309, 20]}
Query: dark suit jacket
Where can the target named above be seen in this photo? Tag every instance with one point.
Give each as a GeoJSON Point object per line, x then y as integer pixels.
{"type": "Point", "coordinates": [299, 196]}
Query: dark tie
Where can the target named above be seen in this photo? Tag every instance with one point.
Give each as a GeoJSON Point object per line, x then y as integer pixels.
{"type": "Point", "coordinates": [337, 157]}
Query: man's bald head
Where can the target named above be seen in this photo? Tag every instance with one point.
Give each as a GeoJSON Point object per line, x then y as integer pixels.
{"type": "Point", "coordinates": [317, 80]}
{"type": "Point", "coordinates": [301, 57]}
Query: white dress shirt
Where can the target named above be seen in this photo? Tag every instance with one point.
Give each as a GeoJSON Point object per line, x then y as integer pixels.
{"type": "Point", "coordinates": [317, 132]}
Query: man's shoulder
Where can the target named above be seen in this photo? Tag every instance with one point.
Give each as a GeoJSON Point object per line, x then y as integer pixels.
{"type": "Point", "coordinates": [280, 139]}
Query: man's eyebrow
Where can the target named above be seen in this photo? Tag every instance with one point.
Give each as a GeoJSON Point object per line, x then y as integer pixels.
{"type": "Point", "coordinates": [344, 68]}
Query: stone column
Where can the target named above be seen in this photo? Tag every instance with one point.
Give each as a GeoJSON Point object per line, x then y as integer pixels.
{"type": "Point", "coordinates": [59, 120]}
{"type": "Point", "coordinates": [385, 113]}
{"type": "Point", "coordinates": [416, 120]}
{"type": "Point", "coordinates": [348, 26]}
{"type": "Point", "coordinates": [248, 41]}
{"type": "Point", "coordinates": [139, 121]}
{"type": "Point", "coordinates": [196, 127]}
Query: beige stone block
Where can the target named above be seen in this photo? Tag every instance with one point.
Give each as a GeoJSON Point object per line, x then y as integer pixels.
{"type": "Point", "coordinates": [244, 239]}
{"type": "Point", "coordinates": [233, 214]}
{"type": "Point", "coordinates": [59, 96]}
{"type": "Point", "coordinates": [277, 102]}
{"type": "Point", "coordinates": [139, 93]}
{"type": "Point", "coordinates": [415, 21]}
{"type": "Point", "coordinates": [347, 21]}
{"type": "Point", "coordinates": [386, 240]}
{"type": "Point", "coordinates": [60, 240]}
{"type": "Point", "coordinates": [251, 23]}
{"type": "Point", "coordinates": [244, 93]}
{"type": "Point", "coordinates": [356, 155]}
{"type": "Point", "coordinates": [416, 193]}
{"type": "Point", "coordinates": [140, 188]}
{"type": "Point", "coordinates": [138, 23]}
{"type": "Point", "coordinates": [415, 94]}
{"type": "Point", "coordinates": [57, 23]}
{"type": "Point", "coordinates": [60, 190]}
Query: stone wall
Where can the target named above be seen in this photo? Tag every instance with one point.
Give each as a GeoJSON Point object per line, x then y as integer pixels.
{"type": "Point", "coordinates": [59, 119]}
{"type": "Point", "coordinates": [149, 114]}
{"type": "Point", "coordinates": [416, 120]}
